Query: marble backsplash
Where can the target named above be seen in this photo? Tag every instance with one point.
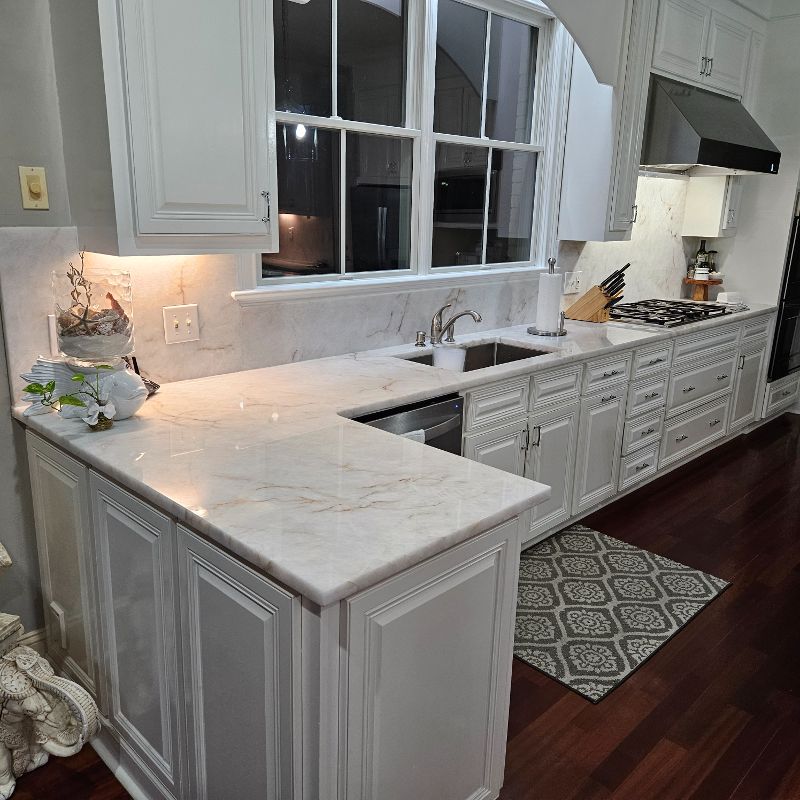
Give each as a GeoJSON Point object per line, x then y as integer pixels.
{"type": "Point", "coordinates": [235, 338]}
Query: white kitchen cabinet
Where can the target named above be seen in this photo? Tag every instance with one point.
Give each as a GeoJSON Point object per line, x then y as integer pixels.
{"type": "Point", "coordinates": [503, 448]}
{"type": "Point", "coordinates": [604, 138]}
{"type": "Point", "coordinates": [712, 206]}
{"type": "Point", "coordinates": [551, 460]}
{"type": "Point", "coordinates": [135, 564]}
{"type": "Point", "coordinates": [428, 674]}
{"type": "Point", "coordinates": [701, 45]}
{"type": "Point", "coordinates": [60, 488]}
{"type": "Point", "coordinates": [240, 636]}
{"type": "Point", "coordinates": [599, 447]}
{"type": "Point", "coordinates": [747, 382]}
{"type": "Point", "coordinates": [169, 137]}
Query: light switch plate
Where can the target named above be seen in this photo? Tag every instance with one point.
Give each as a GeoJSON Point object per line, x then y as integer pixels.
{"type": "Point", "coordinates": [572, 282]}
{"type": "Point", "coordinates": [181, 324]}
{"type": "Point", "coordinates": [33, 186]}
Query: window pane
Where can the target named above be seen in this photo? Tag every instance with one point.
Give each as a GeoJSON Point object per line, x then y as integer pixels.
{"type": "Point", "coordinates": [371, 70]}
{"type": "Point", "coordinates": [459, 191]}
{"type": "Point", "coordinates": [460, 49]}
{"type": "Point", "coordinates": [308, 203]}
{"type": "Point", "coordinates": [509, 86]}
{"type": "Point", "coordinates": [378, 230]}
{"type": "Point", "coordinates": [512, 183]}
{"type": "Point", "coordinates": [303, 81]}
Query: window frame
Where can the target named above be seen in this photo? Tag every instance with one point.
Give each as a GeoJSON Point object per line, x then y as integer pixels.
{"type": "Point", "coordinates": [554, 58]}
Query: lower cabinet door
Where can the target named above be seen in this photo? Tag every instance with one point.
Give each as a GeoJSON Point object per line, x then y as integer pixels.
{"type": "Point", "coordinates": [599, 445]}
{"type": "Point", "coordinates": [502, 448]}
{"type": "Point", "coordinates": [551, 460]}
{"type": "Point", "coordinates": [60, 487]}
{"type": "Point", "coordinates": [240, 650]}
{"type": "Point", "coordinates": [135, 565]}
{"type": "Point", "coordinates": [428, 675]}
{"type": "Point", "coordinates": [745, 392]}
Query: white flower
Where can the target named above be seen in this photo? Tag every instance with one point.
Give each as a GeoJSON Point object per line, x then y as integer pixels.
{"type": "Point", "coordinates": [93, 411]}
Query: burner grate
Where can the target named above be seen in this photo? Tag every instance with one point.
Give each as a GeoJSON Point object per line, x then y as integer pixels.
{"type": "Point", "coordinates": [667, 313]}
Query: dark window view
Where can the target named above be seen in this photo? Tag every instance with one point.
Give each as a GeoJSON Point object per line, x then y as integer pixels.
{"type": "Point", "coordinates": [510, 80]}
{"type": "Point", "coordinates": [308, 197]}
{"type": "Point", "coordinates": [378, 230]}
{"type": "Point", "coordinates": [460, 49]}
{"type": "Point", "coordinates": [303, 81]}
{"type": "Point", "coordinates": [511, 189]}
{"type": "Point", "coordinates": [371, 54]}
{"type": "Point", "coordinates": [458, 207]}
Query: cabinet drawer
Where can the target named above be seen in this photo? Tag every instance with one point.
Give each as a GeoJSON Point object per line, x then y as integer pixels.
{"type": "Point", "coordinates": [496, 403]}
{"type": "Point", "coordinates": [782, 394]}
{"type": "Point", "coordinates": [698, 382]}
{"type": "Point", "coordinates": [755, 328]}
{"type": "Point", "coordinates": [606, 371]}
{"type": "Point", "coordinates": [650, 360]}
{"type": "Point", "coordinates": [697, 344]}
{"type": "Point", "coordinates": [693, 431]}
{"type": "Point", "coordinates": [556, 385]}
{"type": "Point", "coordinates": [638, 466]}
{"type": "Point", "coordinates": [647, 395]}
{"type": "Point", "coordinates": [642, 431]}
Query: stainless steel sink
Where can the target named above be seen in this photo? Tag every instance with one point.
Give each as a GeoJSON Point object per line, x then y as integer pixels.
{"type": "Point", "coordinates": [489, 354]}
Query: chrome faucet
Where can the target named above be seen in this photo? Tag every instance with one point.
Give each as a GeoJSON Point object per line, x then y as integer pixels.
{"type": "Point", "coordinates": [443, 331]}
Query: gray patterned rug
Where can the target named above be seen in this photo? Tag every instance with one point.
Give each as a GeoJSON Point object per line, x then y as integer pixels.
{"type": "Point", "coordinates": [591, 609]}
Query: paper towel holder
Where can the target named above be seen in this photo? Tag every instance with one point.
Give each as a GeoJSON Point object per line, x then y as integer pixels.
{"type": "Point", "coordinates": [562, 330]}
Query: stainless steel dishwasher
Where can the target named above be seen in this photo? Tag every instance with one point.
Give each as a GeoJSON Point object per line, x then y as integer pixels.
{"type": "Point", "coordinates": [436, 422]}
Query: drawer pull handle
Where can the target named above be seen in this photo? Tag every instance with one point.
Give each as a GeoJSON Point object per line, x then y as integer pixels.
{"type": "Point", "coordinates": [651, 396]}
{"type": "Point", "coordinates": [608, 399]}
{"type": "Point", "coordinates": [687, 389]}
{"type": "Point", "coordinates": [721, 377]}
{"type": "Point", "coordinates": [654, 361]}
{"type": "Point", "coordinates": [642, 466]}
{"type": "Point", "coordinates": [648, 432]}
{"type": "Point", "coordinates": [611, 373]}
{"type": "Point", "coordinates": [786, 392]}
{"type": "Point", "coordinates": [681, 438]}
{"type": "Point", "coordinates": [714, 422]}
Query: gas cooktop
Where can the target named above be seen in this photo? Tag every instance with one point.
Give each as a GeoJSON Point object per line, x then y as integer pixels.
{"type": "Point", "coordinates": [668, 313]}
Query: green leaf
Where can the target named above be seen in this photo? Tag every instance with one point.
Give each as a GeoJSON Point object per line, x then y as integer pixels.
{"type": "Point", "coordinates": [34, 388]}
{"type": "Point", "coordinates": [78, 377]}
{"type": "Point", "coordinates": [71, 400]}
{"type": "Point", "coordinates": [104, 366]}
{"type": "Point", "coordinates": [49, 386]}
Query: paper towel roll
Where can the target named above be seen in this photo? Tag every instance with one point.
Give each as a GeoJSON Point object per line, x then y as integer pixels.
{"type": "Point", "coordinates": [548, 306]}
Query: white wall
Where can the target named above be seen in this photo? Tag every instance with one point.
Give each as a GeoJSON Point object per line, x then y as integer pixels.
{"type": "Point", "coordinates": [30, 131]}
{"type": "Point", "coordinates": [753, 261]}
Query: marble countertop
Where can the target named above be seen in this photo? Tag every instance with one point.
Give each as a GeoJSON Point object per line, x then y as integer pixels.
{"type": "Point", "coordinates": [268, 464]}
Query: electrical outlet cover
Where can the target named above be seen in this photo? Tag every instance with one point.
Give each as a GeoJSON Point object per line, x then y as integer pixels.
{"type": "Point", "coordinates": [181, 324]}
{"type": "Point", "coordinates": [572, 282]}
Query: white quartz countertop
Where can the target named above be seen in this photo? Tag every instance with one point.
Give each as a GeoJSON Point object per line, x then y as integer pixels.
{"type": "Point", "coordinates": [267, 463]}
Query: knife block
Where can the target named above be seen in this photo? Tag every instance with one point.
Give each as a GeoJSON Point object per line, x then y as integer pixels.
{"type": "Point", "coordinates": [591, 307]}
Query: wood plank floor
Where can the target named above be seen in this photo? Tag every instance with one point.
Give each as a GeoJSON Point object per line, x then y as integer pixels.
{"type": "Point", "coordinates": [715, 714]}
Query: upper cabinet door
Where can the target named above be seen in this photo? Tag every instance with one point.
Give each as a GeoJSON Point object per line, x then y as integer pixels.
{"type": "Point", "coordinates": [681, 34]}
{"type": "Point", "coordinates": [728, 52]}
{"type": "Point", "coordinates": [198, 79]}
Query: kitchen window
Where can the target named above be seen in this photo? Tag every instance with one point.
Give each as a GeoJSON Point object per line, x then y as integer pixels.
{"type": "Point", "coordinates": [412, 138]}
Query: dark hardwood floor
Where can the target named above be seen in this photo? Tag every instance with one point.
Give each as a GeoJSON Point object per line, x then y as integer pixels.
{"type": "Point", "coordinates": [715, 714]}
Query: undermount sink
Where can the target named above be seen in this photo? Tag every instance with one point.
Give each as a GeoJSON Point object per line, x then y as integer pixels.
{"type": "Point", "coordinates": [488, 354]}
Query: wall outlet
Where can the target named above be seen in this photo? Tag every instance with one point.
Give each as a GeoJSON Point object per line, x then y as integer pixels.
{"type": "Point", "coordinates": [181, 324]}
{"type": "Point", "coordinates": [572, 282]}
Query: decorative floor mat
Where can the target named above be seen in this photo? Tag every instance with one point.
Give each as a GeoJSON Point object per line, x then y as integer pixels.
{"type": "Point", "coordinates": [591, 608]}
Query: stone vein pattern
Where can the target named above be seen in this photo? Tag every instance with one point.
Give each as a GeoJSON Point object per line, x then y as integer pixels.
{"type": "Point", "coordinates": [591, 608]}
{"type": "Point", "coordinates": [267, 462]}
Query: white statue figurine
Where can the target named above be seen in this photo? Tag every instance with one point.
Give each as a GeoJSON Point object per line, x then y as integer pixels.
{"type": "Point", "coordinates": [41, 714]}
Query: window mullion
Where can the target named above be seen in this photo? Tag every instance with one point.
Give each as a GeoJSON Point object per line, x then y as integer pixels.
{"type": "Point", "coordinates": [335, 58]}
{"type": "Point", "coordinates": [342, 201]}
{"type": "Point", "coordinates": [486, 203]}
{"type": "Point", "coordinates": [487, 44]}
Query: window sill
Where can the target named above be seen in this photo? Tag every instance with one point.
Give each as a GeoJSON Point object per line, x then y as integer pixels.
{"type": "Point", "coordinates": [279, 293]}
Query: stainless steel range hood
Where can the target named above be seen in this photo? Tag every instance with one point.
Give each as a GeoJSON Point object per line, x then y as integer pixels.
{"type": "Point", "coordinates": [695, 131]}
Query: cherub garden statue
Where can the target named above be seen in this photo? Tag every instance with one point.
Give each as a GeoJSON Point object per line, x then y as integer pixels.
{"type": "Point", "coordinates": [41, 714]}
